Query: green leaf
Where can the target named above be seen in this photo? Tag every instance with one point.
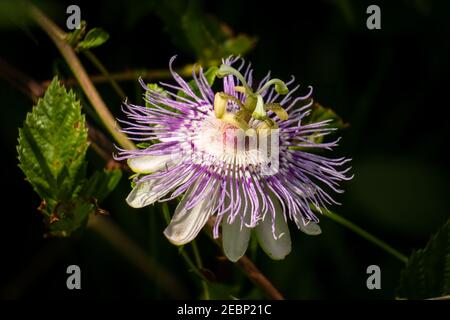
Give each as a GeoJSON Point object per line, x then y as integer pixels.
{"type": "Point", "coordinates": [239, 45]}
{"type": "Point", "coordinates": [157, 88]}
{"type": "Point", "coordinates": [52, 148]}
{"type": "Point", "coordinates": [202, 34]}
{"type": "Point", "coordinates": [53, 144]}
{"type": "Point", "coordinates": [427, 273]}
{"type": "Point", "coordinates": [320, 113]}
{"type": "Point", "coordinates": [101, 184]}
{"type": "Point", "coordinates": [74, 37]}
{"type": "Point", "coordinates": [210, 38]}
{"type": "Point", "coordinates": [68, 217]}
{"type": "Point", "coordinates": [94, 38]}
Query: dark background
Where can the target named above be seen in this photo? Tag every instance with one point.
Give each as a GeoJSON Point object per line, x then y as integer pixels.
{"type": "Point", "coordinates": [390, 85]}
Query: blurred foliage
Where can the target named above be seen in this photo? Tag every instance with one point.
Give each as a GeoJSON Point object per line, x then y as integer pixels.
{"type": "Point", "coordinates": [427, 274]}
{"type": "Point", "coordinates": [204, 35]}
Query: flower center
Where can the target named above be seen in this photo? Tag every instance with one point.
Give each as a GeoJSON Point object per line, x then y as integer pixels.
{"type": "Point", "coordinates": [219, 143]}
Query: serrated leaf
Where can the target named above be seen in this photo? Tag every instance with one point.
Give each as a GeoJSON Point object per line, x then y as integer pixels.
{"type": "Point", "coordinates": [427, 273]}
{"type": "Point", "coordinates": [94, 38]}
{"type": "Point", "coordinates": [53, 144]}
{"type": "Point", "coordinates": [101, 184]}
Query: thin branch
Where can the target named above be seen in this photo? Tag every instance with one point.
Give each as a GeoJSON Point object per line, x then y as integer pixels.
{"type": "Point", "coordinates": [198, 261]}
{"type": "Point", "coordinates": [251, 271]}
{"type": "Point", "coordinates": [21, 81]}
{"type": "Point", "coordinates": [259, 279]}
{"type": "Point", "coordinates": [99, 65]}
{"type": "Point", "coordinates": [441, 298]}
{"type": "Point", "coordinates": [364, 234]}
{"type": "Point", "coordinates": [128, 75]}
{"type": "Point", "coordinates": [58, 37]}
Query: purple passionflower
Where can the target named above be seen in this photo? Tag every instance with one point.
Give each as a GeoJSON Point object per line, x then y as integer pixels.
{"type": "Point", "coordinates": [209, 147]}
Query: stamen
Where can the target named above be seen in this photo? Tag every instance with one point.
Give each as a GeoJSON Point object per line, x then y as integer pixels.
{"type": "Point", "coordinates": [279, 111]}
{"type": "Point", "coordinates": [280, 86]}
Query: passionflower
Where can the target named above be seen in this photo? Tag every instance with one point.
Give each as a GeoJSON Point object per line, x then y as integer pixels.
{"type": "Point", "coordinates": [241, 156]}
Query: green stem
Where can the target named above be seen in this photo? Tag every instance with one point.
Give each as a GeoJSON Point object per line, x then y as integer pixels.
{"type": "Point", "coordinates": [99, 65]}
{"type": "Point", "coordinates": [198, 261]}
{"type": "Point", "coordinates": [59, 38]}
{"type": "Point", "coordinates": [366, 235]}
{"type": "Point", "coordinates": [192, 266]}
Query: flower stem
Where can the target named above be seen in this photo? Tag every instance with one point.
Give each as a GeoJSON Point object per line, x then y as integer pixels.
{"type": "Point", "coordinates": [363, 233]}
{"type": "Point", "coordinates": [192, 266]}
{"type": "Point", "coordinates": [99, 65]}
{"type": "Point", "coordinates": [198, 261]}
{"type": "Point", "coordinates": [59, 38]}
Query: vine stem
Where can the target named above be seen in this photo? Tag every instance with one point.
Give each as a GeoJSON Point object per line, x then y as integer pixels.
{"type": "Point", "coordinates": [195, 268]}
{"type": "Point", "coordinates": [128, 75]}
{"type": "Point", "coordinates": [99, 65]}
{"type": "Point", "coordinates": [198, 261]}
{"type": "Point", "coordinates": [59, 38]}
{"type": "Point", "coordinates": [249, 268]}
{"type": "Point", "coordinates": [364, 234]}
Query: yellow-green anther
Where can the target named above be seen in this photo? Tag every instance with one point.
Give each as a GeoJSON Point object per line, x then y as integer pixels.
{"type": "Point", "coordinates": [250, 132]}
{"type": "Point", "coordinates": [267, 124]}
{"type": "Point", "coordinates": [250, 102]}
{"type": "Point", "coordinates": [279, 111]}
{"type": "Point", "coordinates": [280, 86]}
{"type": "Point", "coordinates": [226, 70]}
{"type": "Point", "coordinates": [236, 121]}
{"type": "Point", "coordinates": [259, 113]}
{"type": "Point", "coordinates": [220, 105]}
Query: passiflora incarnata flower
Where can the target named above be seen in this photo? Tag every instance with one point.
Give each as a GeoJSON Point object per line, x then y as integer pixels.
{"type": "Point", "coordinates": [241, 157]}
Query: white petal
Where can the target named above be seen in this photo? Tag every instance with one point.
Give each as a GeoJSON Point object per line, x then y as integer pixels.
{"type": "Point", "coordinates": [312, 228]}
{"type": "Point", "coordinates": [186, 224]}
{"type": "Point", "coordinates": [142, 194]}
{"type": "Point", "coordinates": [234, 240]}
{"type": "Point", "coordinates": [149, 164]}
{"type": "Point", "coordinates": [279, 248]}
